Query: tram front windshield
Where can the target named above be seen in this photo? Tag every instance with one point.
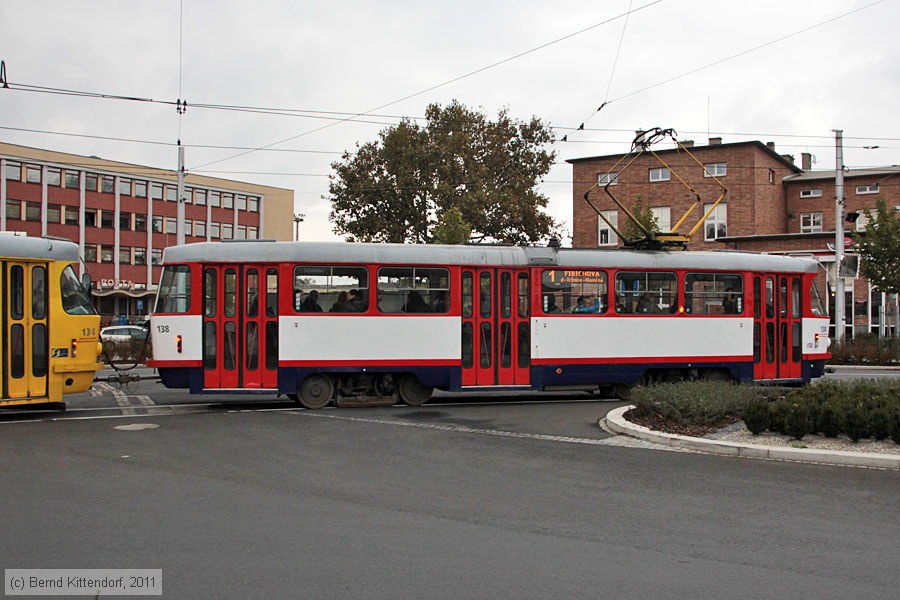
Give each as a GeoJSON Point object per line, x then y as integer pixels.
{"type": "Point", "coordinates": [75, 300]}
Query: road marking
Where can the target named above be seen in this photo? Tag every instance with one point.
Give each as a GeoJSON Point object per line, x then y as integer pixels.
{"type": "Point", "coordinates": [619, 441]}
{"type": "Point", "coordinates": [130, 404]}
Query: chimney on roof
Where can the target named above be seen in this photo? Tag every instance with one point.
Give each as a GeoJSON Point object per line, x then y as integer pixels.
{"type": "Point", "coordinates": [788, 157]}
{"type": "Point", "coordinates": [686, 143]}
{"type": "Point", "coordinates": [770, 145]}
{"type": "Point", "coordinates": [715, 141]}
{"type": "Point", "coordinates": [806, 161]}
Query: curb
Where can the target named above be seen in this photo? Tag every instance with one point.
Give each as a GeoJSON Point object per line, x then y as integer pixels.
{"type": "Point", "coordinates": [617, 423]}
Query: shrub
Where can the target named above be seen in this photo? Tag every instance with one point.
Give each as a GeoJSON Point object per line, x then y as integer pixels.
{"type": "Point", "coordinates": [795, 421]}
{"type": "Point", "coordinates": [866, 349]}
{"type": "Point", "coordinates": [756, 416]}
{"type": "Point", "coordinates": [894, 416]}
{"type": "Point", "coordinates": [828, 422]}
{"type": "Point", "coordinates": [855, 422]}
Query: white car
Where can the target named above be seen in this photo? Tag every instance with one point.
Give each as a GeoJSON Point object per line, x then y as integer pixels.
{"type": "Point", "coordinates": [123, 333]}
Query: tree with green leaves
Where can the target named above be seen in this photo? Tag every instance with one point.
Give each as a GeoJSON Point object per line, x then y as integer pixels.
{"type": "Point", "coordinates": [644, 215]}
{"type": "Point", "coordinates": [879, 248]}
{"type": "Point", "coordinates": [452, 228]}
{"type": "Point", "coordinates": [402, 186]}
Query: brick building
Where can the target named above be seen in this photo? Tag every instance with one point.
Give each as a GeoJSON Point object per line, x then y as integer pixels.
{"type": "Point", "coordinates": [124, 215]}
{"type": "Point", "coordinates": [771, 205]}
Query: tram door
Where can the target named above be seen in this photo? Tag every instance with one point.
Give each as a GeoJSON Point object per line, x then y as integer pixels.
{"type": "Point", "coordinates": [240, 327]}
{"type": "Point", "coordinates": [777, 339]}
{"type": "Point", "coordinates": [24, 332]}
{"type": "Point", "coordinates": [496, 336]}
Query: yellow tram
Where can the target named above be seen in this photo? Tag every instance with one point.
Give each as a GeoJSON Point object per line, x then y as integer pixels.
{"type": "Point", "coordinates": [49, 338]}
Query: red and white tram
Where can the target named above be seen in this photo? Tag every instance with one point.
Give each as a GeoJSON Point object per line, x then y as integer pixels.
{"type": "Point", "coordinates": [359, 323]}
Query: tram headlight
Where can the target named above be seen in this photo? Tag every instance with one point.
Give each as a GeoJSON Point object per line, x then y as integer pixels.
{"type": "Point", "coordinates": [74, 347]}
{"type": "Point", "coordinates": [178, 343]}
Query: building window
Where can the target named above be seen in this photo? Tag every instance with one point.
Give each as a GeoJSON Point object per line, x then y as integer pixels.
{"type": "Point", "coordinates": [771, 176]}
{"type": "Point", "coordinates": [32, 174]}
{"type": "Point", "coordinates": [663, 216]}
{"type": "Point", "coordinates": [716, 223]}
{"type": "Point", "coordinates": [606, 236]}
{"type": "Point", "coordinates": [200, 197]}
{"type": "Point", "coordinates": [32, 211]}
{"type": "Point", "coordinates": [156, 191]}
{"type": "Point", "coordinates": [611, 178]}
{"type": "Point", "coordinates": [90, 182]}
{"type": "Point", "coordinates": [872, 188]}
{"type": "Point", "coordinates": [90, 253]}
{"type": "Point", "coordinates": [156, 256]}
{"type": "Point", "coordinates": [227, 231]}
{"type": "Point", "coordinates": [54, 213]}
{"type": "Point", "coordinates": [214, 198]}
{"type": "Point", "coordinates": [106, 218]}
{"type": "Point", "coordinates": [72, 179]}
{"type": "Point", "coordinates": [13, 210]}
{"type": "Point", "coordinates": [125, 187]}
{"type": "Point", "coordinates": [140, 256]}
{"type": "Point", "coordinates": [213, 230]}
{"type": "Point", "coordinates": [90, 217]}
{"type": "Point", "coordinates": [253, 203]}
{"type": "Point", "coordinates": [70, 215]}
{"type": "Point", "coordinates": [106, 254]}
{"type": "Point", "coordinates": [140, 189]}
{"type": "Point", "coordinates": [54, 177]}
{"type": "Point", "coordinates": [660, 174]}
{"type": "Point", "coordinates": [810, 222]}
{"type": "Point", "coordinates": [171, 193]}
{"type": "Point", "coordinates": [125, 221]}
{"type": "Point", "coordinates": [241, 233]}
{"type": "Point", "coordinates": [252, 233]}
{"type": "Point", "coordinates": [140, 222]}
{"type": "Point", "coordinates": [241, 202]}
{"type": "Point", "coordinates": [124, 255]}
{"type": "Point", "coordinates": [200, 229]}
{"type": "Point", "coordinates": [157, 224]}
{"type": "Point", "coordinates": [715, 170]}
{"type": "Point", "coordinates": [107, 185]}
{"type": "Point", "coordinates": [13, 171]}
{"type": "Point", "coordinates": [816, 193]}
{"type": "Point", "coordinates": [171, 225]}
{"type": "Point", "coordinates": [861, 221]}
{"type": "Point", "coordinates": [228, 200]}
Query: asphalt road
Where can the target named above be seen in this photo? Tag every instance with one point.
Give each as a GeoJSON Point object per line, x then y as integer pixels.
{"type": "Point", "coordinates": [521, 500]}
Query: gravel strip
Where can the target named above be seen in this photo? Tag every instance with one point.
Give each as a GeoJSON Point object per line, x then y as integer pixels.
{"type": "Point", "coordinates": [739, 433]}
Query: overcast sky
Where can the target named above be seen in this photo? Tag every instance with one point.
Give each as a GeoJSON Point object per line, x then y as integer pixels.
{"type": "Point", "coordinates": [781, 71]}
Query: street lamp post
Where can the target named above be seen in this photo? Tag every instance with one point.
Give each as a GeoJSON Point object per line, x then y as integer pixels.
{"type": "Point", "coordinates": [298, 218]}
{"type": "Point", "coordinates": [840, 317]}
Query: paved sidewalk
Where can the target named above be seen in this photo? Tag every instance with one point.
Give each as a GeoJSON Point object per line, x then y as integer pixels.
{"type": "Point", "coordinates": [616, 422]}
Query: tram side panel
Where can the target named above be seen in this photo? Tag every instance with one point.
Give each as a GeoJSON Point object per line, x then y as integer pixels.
{"type": "Point", "coordinates": [586, 350]}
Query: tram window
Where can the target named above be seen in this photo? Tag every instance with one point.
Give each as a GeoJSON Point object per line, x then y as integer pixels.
{"type": "Point", "coordinates": [271, 345]}
{"type": "Point", "coordinates": [484, 295]}
{"type": "Point", "coordinates": [230, 300]}
{"type": "Point", "coordinates": [467, 294]}
{"type": "Point", "coordinates": [505, 295]}
{"type": "Point", "coordinates": [524, 345]}
{"type": "Point", "coordinates": [75, 300]}
{"type": "Point", "coordinates": [646, 292]}
{"type": "Point", "coordinates": [413, 290]}
{"type": "Point", "coordinates": [338, 289]}
{"type": "Point", "coordinates": [229, 346]}
{"type": "Point", "coordinates": [17, 292]}
{"type": "Point", "coordinates": [505, 345]}
{"type": "Point", "coordinates": [757, 301]}
{"type": "Point", "coordinates": [467, 344]}
{"type": "Point", "coordinates": [795, 298]}
{"type": "Point", "coordinates": [486, 345]}
{"type": "Point", "coordinates": [38, 293]}
{"type": "Point", "coordinates": [271, 293]}
{"type": "Point", "coordinates": [524, 304]}
{"type": "Point", "coordinates": [713, 294]}
{"type": "Point", "coordinates": [796, 347]}
{"type": "Point", "coordinates": [574, 291]}
{"type": "Point", "coordinates": [17, 351]}
{"type": "Point", "coordinates": [209, 293]}
{"type": "Point", "coordinates": [209, 345]}
{"type": "Point", "coordinates": [39, 350]}
{"type": "Point", "coordinates": [251, 346]}
{"type": "Point", "coordinates": [816, 304]}
{"type": "Point", "coordinates": [770, 297]}
{"type": "Point", "coordinates": [174, 294]}
{"type": "Point", "coordinates": [783, 299]}
{"type": "Point", "coordinates": [252, 292]}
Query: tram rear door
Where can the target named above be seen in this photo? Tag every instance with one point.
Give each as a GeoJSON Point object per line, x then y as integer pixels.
{"type": "Point", "coordinates": [240, 327]}
{"type": "Point", "coordinates": [496, 336]}
{"type": "Point", "coordinates": [24, 331]}
{"type": "Point", "coordinates": [777, 339]}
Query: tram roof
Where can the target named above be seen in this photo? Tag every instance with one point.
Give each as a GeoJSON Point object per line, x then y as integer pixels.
{"type": "Point", "coordinates": [512, 256]}
{"type": "Point", "coordinates": [20, 246]}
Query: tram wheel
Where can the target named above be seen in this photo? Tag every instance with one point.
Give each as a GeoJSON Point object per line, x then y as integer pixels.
{"type": "Point", "coordinates": [316, 391]}
{"type": "Point", "coordinates": [624, 391]}
{"type": "Point", "coordinates": [412, 392]}
{"type": "Point", "coordinates": [718, 376]}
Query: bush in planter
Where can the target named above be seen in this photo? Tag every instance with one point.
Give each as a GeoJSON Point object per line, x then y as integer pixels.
{"type": "Point", "coordinates": [828, 421]}
{"type": "Point", "coordinates": [855, 422]}
{"type": "Point", "coordinates": [756, 416]}
{"type": "Point", "coordinates": [879, 422]}
{"type": "Point", "coordinates": [894, 417]}
{"type": "Point", "coordinates": [796, 421]}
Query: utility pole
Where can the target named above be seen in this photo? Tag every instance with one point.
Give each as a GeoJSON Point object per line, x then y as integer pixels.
{"type": "Point", "coordinates": [298, 218]}
{"type": "Point", "coordinates": [179, 226]}
{"type": "Point", "coordinates": [840, 316]}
